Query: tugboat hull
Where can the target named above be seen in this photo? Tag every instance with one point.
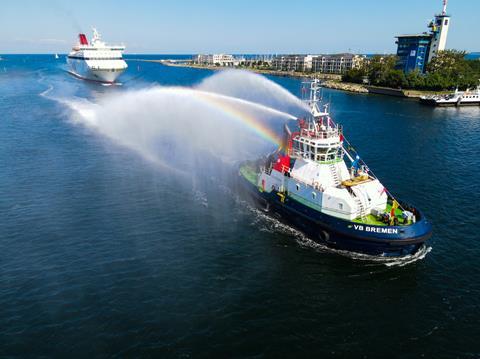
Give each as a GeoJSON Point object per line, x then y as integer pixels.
{"type": "Point", "coordinates": [336, 233]}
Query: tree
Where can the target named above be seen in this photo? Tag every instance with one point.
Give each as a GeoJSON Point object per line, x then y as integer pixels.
{"type": "Point", "coordinates": [451, 69]}
{"type": "Point", "coordinates": [436, 82]}
{"type": "Point", "coordinates": [354, 75]}
{"type": "Point", "coordinates": [395, 78]}
{"type": "Point", "coordinates": [378, 68]}
{"type": "Point", "coordinates": [448, 62]}
{"type": "Point", "coordinates": [447, 70]}
{"type": "Point", "coordinates": [415, 80]}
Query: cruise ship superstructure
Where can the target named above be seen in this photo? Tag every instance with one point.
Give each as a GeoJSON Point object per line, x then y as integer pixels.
{"type": "Point", "coordinates": [96, 61]}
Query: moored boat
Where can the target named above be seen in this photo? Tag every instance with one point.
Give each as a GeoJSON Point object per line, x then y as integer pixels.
{"type": "Point", "coordinates": [458, 98]}
{"type": "Point", "coordinates": [308, 184]}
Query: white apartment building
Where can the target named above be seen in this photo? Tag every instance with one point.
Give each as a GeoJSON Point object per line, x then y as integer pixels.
{"type": "Point", "coordinates": [215, 59]}
{"type": "Point", "coordinates": [331, 64]}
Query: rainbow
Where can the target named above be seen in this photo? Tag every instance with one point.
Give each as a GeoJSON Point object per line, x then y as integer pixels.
{"type": "Point", "coordinates": [246, 119]}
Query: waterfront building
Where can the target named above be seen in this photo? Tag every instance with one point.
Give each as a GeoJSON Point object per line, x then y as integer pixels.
{"type": "Point", "coordinates": [413, 52]}
{"type": "Point", "coordinates": [223, 60]}
{"type": "Point", "coordinates": [289, 63]}
{"type": "Point", "coordinates": [202, 59]}
{"type": "Point", "coordinates": [416, 51]}
{"type": "Point", "coordinates": [336, 64]}
{"type": "Point", "coordinates": [215, 59]}
{"type": "Point", "coordinates": [231, 60]}
{"type": "Point", "coordinates": [331, 64]}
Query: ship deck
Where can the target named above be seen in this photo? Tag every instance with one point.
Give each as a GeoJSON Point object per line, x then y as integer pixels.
{"type": "Point", "coordinates": [372, 220]}
{"type": "Point", "coordinates": [249, 173]}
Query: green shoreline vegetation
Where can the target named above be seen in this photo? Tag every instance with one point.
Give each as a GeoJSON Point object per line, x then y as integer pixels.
{"type": "Point", "coordinates": [450, 69]}
{"type": "Point", "coordinates": [447, 71]}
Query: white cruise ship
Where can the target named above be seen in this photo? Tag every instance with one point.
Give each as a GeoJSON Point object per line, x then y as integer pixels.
{"type": "Point", "coordinates": [96, 61]}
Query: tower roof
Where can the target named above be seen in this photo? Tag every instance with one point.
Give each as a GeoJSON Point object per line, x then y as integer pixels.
{"type": "Point", "coordinates": [414, 35]}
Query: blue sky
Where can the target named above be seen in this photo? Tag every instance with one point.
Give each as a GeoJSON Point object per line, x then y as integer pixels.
{"type": "Point", "coordinates": [240, 26]}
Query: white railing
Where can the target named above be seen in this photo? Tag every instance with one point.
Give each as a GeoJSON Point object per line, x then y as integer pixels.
{"type": "Point", "coordinates": [305, 132]}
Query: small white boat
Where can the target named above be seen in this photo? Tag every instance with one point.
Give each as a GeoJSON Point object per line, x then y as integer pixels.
{"type": "Point", "coordinates": [458, 98]}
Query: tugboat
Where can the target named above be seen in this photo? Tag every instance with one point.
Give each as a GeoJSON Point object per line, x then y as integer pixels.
{"type": "Point", "coordinates": [458, 98]}
{"type": "Point", "coordinates": [307, 183]}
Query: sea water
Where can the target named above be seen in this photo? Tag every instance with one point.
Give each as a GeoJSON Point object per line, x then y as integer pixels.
{"type": "Point", "coordinates": [106, 250]}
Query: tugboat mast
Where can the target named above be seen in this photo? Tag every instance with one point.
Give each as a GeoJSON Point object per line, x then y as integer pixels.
{"type": "Point", "coordinates": [314, 99]}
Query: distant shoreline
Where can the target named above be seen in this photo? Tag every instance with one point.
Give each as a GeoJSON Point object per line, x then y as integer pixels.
{"type": "Point", "coordinates": [331, 81]}
{"type": "Point", "coordinates": [260, 71]}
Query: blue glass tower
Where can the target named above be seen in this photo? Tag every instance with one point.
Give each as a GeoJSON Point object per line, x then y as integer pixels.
{"type": "Point", "coordinates": [413, 51]}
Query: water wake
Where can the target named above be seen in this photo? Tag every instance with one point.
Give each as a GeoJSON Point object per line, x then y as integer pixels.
{"type": "Point", "coordinates": [273, 225]}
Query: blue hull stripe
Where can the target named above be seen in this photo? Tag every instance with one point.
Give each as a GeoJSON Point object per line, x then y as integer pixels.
{"type": "Point", "coordinates": [341, 234]}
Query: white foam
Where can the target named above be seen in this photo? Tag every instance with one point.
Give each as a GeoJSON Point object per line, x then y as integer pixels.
{"type": "Point", "coordinates": [280, 227]}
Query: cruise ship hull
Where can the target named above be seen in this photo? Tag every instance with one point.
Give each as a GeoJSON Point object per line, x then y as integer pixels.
{"type": "Point", "coordinates": [339, 234]}
{"type": "Point", "coordinates": [83, 70]}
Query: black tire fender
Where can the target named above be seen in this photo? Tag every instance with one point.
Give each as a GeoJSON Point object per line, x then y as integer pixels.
{"type": "Point", "coordinates": [266, 206]}
{"type": "Point", "coordinates": [323, 235]}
